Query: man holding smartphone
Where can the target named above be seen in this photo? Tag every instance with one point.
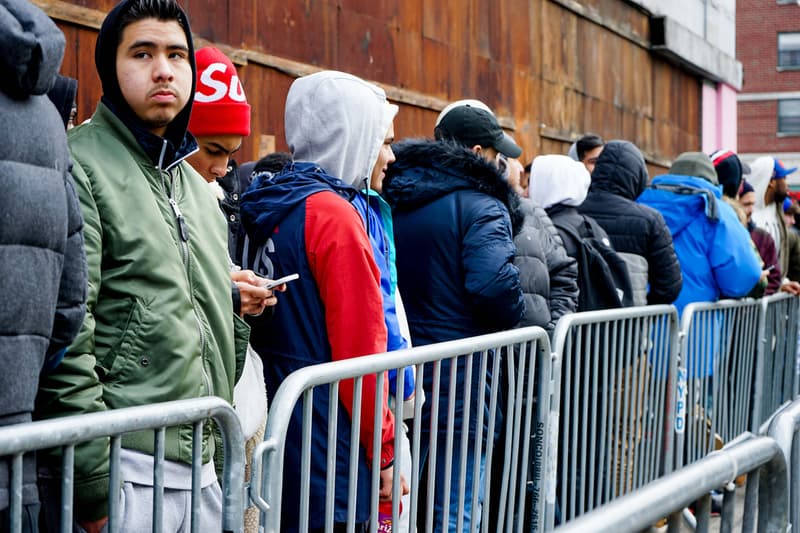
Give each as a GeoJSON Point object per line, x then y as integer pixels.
{"type": "Point", "coordinates": [302, 220]}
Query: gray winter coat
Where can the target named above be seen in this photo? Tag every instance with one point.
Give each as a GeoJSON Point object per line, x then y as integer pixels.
{"type": "Point", "coordinates": [547, 274]}
{"type": "Point", "coordinates": [42, 261]}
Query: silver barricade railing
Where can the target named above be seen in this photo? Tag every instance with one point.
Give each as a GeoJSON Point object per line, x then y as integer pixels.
{"type": "Point", "coordinates": [759, 457]}
{"type": "Point", "coordinates": [68, 432]}
{"type": "Point", "coordinates": [784, 429]}
{"type": "Point", "coordinates": [503, 420]}
{"type": "Point", "coordinates": [616, 403]}
{"type": "Point", "coordinates": [777, 381]}
{"type": "Point", "coordinates": [716, 375]}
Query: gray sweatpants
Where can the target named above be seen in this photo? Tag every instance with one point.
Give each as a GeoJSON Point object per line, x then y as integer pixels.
{"type": "Point", "coordinates": [136, 509]}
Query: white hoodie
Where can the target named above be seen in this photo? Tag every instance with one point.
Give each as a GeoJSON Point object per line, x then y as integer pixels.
{"type": "Point", "coordinates": [765, 216]}
{"type": "Point", "coordinates": [558, 179]}
{"type": "Point", "coordinates": [338, 121]}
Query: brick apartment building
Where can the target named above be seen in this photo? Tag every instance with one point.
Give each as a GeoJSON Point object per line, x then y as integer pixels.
{"type": "Point", "coordinates": [768, 45]}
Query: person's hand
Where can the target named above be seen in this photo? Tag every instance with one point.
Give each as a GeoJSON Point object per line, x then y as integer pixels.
{"type": "Point", "coordinates": [764, 276]}
{"type": "Point", "coordinates": [792, 287]}
{"type": "Point", "coordinates": [95, 526]}
{"type": "Point", "coordinates": [253, 296]}
{"type": "Point", "coordinates": [387, 476]}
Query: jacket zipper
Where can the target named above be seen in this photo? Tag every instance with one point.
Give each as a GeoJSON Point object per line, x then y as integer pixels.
{"type": "Point", "coordinates": [183, 231]}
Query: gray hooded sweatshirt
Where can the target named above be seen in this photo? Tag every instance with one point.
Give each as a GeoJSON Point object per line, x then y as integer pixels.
{"type": "Point", "coordinates": [338, 121]}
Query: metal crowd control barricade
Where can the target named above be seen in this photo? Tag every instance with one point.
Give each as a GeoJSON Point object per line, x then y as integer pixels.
{"type": "Point", "coordinates": [784, 429]}
{"type": "Point", "coordinates": [779, 368]}
{"type": "Point", "coordinates": [718, 375]}
{"type": "Point", "coordinates": [513, 407]}
{"type": "Point", "coordinates": [616, 404]}
{"type": "Point", "coordinates": [67, 432]}
{"type": "Point", "coordinates": [759, 457]}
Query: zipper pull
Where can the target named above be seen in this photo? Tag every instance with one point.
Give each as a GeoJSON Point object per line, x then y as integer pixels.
{"type": "Point", "coordinates": [182, 227]}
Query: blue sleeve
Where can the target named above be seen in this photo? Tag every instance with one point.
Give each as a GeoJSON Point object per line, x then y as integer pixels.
{"type": "Point", "coordinates": [408, 384]}
{"type": "Point", "coordinates": [491, 279]}
{"type": "Point", "coordinates": [734, 264]}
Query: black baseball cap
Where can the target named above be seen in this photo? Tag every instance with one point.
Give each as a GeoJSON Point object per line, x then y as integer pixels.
{"type": "Point", "coordinates": [470, 126]}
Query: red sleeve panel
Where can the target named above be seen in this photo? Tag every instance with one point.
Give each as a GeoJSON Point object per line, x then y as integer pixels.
{"type": "Point", "coordinates": [340, 257]}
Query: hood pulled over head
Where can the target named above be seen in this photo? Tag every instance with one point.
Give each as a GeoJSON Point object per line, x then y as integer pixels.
{"type": "Point", "coordinates": [105, 58]}
{"type": "Point", "coordinates": [31, 49]}
{"type": "Point", "coordinates": [558, 179]}
{"type": "Point", "coordinates": [620, 170]}
{"type": "Point", "coordinates": [339, 122]}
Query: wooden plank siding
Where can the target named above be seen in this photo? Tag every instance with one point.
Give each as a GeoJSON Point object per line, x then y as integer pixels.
{"type": "Point", "coordinates": [551, 69]}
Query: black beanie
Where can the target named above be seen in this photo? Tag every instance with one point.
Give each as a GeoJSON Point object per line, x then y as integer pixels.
{"type": "Point", "coordinates": [729, 171]}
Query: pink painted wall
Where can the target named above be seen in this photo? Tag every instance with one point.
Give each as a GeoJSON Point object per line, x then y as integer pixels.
{"type": "Point", "coordinates": [719, 117]}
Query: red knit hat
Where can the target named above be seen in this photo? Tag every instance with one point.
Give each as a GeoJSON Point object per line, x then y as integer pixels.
{"type": "Point", "coordinates": [220, 106]}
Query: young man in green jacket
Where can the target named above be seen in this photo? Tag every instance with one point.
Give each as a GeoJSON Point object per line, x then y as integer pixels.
{"type": "Point", "coordinates": [160, 323]}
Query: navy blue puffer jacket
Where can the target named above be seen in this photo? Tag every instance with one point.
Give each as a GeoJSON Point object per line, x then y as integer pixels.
{"type": "Point", "coordinates": [454, 215]}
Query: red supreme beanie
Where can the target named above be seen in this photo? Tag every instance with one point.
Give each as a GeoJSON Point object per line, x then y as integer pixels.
{"type": "Point", "coordinates": [220, 106]}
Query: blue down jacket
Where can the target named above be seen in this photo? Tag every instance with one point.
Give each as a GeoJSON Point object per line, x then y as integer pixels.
{"type": "Point", "coordinates": [713, 247]}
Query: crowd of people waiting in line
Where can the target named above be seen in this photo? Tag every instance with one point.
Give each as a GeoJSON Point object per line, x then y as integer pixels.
{"type": "Point", "coordinates": [138, 258]}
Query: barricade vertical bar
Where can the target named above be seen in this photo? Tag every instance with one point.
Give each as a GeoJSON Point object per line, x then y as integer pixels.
{"type": "Point", "coordinates": [549, 387]}
{"type": "Point", "coordinates": [433, 437]}
{"type": "Point", "coordinates": [703, 513]}
{"type": "Point", "coordinates": [511, 433]}
{"type": "Point", "coordinates": [415, 448]}
{"type": "Point", "coordinates": [608, 407]}
{"type": "Point", "coordinates": [464, 443]}
{"type": "Point", "coordinates": [496, 362]}
{"type": "Point", "coordinates": [581, 419]}
{"type": "Point", "coordinates": [330, 460]}
{"type": "Point", "coordinates": [750, 503]}
{"type": "Point", "coordinates": [305, 459]}
{"type": "Point", "coordinates": [399, 395]}
{"type": "Point", "coordinates": [480, 399]}
{"type": "Point", "coordinates": [67, 486]}
{"type": "Point", "coordinates": [114, 484]}
{"type": "Point", "coordinates": [592, 364]}
{"type": "Point", "coordinates": [352, 473]}
{"type": "Point", "coordinates": [619, 415]}
{"type": "Point", "coordinates": [375, 466]}
{"type": "Point", "coordinates": [565, 460]}
{"type": "Point", "coordinates": [197, 465]}
{"type": "Point", "coordinates": [158, 480]}
{"type": "Point", "coordinates": [671, 345]}
{"type": "Point", "coordinates": [377, 445]}
{"type": "Point", "coordinates": [15, 494]}
{"type": "Point", "coordinates": [449, 438]}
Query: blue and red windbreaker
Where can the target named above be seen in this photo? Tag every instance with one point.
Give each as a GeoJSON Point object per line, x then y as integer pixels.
{"type": "Point", "coordinates": [301, 220]}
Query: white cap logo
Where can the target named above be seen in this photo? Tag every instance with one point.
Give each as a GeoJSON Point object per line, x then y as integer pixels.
{"type": "Point", "coordinates": [233, 89]}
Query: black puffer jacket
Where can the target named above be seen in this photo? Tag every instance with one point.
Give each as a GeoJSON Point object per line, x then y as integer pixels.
{"type": "Point", "coordinates": [637, 232]}
{"type": "Point", "coordinates": [547, 274]}
{"type": "Point", "coordinates": [42, 260]}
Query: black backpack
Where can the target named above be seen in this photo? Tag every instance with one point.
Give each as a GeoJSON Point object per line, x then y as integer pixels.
{"type": "Point", "coordinates": [603, 278]}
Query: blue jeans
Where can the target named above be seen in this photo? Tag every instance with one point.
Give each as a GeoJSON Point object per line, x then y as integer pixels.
{"type": "Point", "coordinates": [453, 512]}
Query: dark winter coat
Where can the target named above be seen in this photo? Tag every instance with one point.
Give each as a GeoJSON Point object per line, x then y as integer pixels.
{"type": "Point", "coordinates": [42, 261]}
{"type": "Point", "coordinates": [547, 274]}
{"type": "Point", "coordinates": [453, 219]}
{"type": "Point", "coordinates": [637, 232]}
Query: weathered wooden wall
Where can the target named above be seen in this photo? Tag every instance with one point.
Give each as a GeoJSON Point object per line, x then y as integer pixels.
{"type": "Point", "coordinates": [551, 69]}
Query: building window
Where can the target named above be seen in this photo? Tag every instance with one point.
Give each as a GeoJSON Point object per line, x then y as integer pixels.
{"type": "Point", "coordinates": [789, 117]}
{"type": "Point", "coordinates": [789, 50]}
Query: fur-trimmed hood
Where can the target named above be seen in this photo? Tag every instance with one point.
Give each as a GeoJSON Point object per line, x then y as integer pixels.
{"type": "Point", "coordinates": [426, 170]}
